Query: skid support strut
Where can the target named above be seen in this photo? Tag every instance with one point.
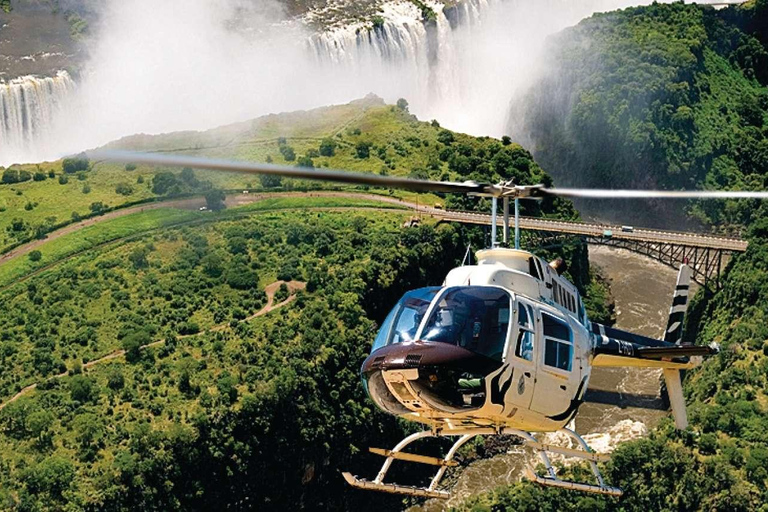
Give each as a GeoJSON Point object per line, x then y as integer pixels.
{"type": "Point", "coordinates": [464, 436]}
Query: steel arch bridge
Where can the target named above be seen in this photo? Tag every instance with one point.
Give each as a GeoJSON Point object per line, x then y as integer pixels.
{"type": "Point", "coordinates": [707, 255]}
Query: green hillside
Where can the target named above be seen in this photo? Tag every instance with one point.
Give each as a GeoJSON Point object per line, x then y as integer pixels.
{"type": "Point", "coordinates": [364, 136]}
{"type": "Point", "coordinates": [141, 370]}
{"type": "Point", "coordinates": [664, 96]}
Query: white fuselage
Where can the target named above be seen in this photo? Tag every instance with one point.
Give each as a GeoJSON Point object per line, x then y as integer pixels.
{"type": "Point", "coordinates": [545, 361]}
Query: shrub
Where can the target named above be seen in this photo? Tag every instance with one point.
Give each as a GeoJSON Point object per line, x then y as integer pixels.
{"type": "Point", "coordinates": [327, 147]}
{"type": "Point", "coordinates": [35, 255]}
{"type": "Point", "coordinates": [76, 164]}
{"type": "Point", "coordinates": [270, 180]}
{"type": "Point", "coordinates": [124, 189]}
{"type": "Point", "coordinates": [63, 180]}
{"type": "Point", "coordinates": [288, 153]}
{"type": "Point", "coordinates": [363, 149]}
{"type": "Point", "coordinates": [130, 167]}
{"type": "Point", "coordinates": [214, 200]}
{"type": "Point", "coordinates": [305, 161]}
{"type": "Point", "coordinates": [82, 389]}
{"type": "Point", "coordinates": [445, 137]}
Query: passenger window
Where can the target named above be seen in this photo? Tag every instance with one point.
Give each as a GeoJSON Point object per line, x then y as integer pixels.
{"type": "Point", "coordinates": [524, 346]}
{"type": "Point", "coordinates": [533, 269]}
{"type": "Point", "coordinates": [558, 343]}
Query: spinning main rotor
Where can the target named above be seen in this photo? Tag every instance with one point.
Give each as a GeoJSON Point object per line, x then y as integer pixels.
{"type": "Point", "coordinates": [501, 190]}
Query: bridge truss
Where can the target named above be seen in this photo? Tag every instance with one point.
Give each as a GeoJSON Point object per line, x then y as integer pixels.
{"type": "Point", "coordinates": [707, 263]}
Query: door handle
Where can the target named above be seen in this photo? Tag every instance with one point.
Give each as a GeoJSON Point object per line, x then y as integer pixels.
{"type": "Point", "coordinates": [528, 374]}
{"type": "Point", "coordinates": [563, 387]}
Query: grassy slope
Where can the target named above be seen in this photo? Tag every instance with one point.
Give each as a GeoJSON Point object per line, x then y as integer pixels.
{"type": "Point", "coordinates": [380, 125]}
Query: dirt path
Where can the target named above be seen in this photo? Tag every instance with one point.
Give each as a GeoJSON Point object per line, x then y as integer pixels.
{"type": "Point", "coordinates": [186, 204]}
{"type": "Point", "coordinates": [270, 290]}
{"type": "Point", "coordinates": [195, 203]}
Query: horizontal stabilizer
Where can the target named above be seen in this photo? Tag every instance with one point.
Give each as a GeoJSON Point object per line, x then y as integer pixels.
{"type": "Point", "coordinates": [675, 351]}
{"type": "Point", "coordinates": [603, 331]}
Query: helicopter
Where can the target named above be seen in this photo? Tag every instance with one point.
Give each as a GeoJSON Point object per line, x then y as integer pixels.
{"type": "Point", "coordinates": [504, 346]}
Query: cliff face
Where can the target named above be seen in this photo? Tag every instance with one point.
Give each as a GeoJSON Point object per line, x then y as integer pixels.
{"type": "Point", "coordinates": [665, 96]}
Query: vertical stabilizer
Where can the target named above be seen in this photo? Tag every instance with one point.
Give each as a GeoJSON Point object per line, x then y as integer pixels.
{"type": "Point", "coordinates": [676, 399]}
{"type": "Point", "coordinates": [674, 332]}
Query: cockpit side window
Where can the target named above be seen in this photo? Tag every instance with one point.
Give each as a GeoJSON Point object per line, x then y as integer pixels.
{"type": "Point", "coordinates": [558, 343]}
{"type": "Point", "coordinates": [525, 332]}
{"type": "Point", "coordinates": [403, 321]}
{"type": "Point", "coordinates": [471, 317]}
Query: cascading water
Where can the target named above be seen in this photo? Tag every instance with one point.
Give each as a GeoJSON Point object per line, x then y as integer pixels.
{"type": "Point", "coordinates": [28, 108]}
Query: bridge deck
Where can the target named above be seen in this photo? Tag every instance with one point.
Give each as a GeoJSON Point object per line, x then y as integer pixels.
{"type": "Point", "coordinates": [598, 230]}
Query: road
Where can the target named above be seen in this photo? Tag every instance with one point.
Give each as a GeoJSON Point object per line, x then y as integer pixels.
{"type": "Point", "coordinates": [526, 223]}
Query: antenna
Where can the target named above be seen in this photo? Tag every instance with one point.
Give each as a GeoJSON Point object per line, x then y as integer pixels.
{"type": "Point", "coordinates": [467, 256]}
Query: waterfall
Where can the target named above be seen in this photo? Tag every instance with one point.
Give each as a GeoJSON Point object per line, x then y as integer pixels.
{"type": "Point", "coordinates": [29, 107]}
{"type": "Point", "coordinates": [400, 54]}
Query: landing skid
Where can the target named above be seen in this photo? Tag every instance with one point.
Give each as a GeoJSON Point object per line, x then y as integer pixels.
{"type": "Point", "coordinates": [465, 436]}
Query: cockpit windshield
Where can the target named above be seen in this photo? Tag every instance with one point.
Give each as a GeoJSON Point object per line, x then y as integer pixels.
{"type": "Point", "coordinates": [403, 321]}
{"type": "Point", "coordinates": [471, 317]}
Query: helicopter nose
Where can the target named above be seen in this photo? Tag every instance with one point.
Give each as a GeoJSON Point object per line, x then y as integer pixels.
{"type": "Point", "coordinates": [421, 376]}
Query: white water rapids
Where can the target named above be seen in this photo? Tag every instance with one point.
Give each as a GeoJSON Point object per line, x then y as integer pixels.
{"type": "Point", "coordinates": [184, 65]}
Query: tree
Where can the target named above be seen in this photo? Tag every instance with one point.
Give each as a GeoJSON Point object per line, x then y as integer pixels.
{"type": "Point", "coordinates": [138, 257]}
{"type": "Point", "coordinates": [124, 189]}
{"type": "Point", "coordinates": [270, 180]}
{"type": "Point", "coordinates": [10, 176]}
{"type": "Point", "coordinates": [402, 104]}
{"type": "Point", "coordinates": [327, 147]}
{"type": "Point", "coordinates": [63, 180]}
{"type": "Point", "coordinates": [305, 161]}
{"type": "Point", "coordinates": [81, 388]}
{"type": "Point", "coordinates": [76, 164]}
{"type": "Point", "coordinates": [98, 208]}
{"type": "Point", "coordinates": [35, 255]}
{"type": "Point", "coordinates": [288, 153]}
{"type": "Point", "coordinates": [214, 199]}
{"type": "Point", "coordinates": [363, 149]}
{"type": "Point", "coordinates": [165, 183]}
{"type": "Point", "coordinates": [241, 277]}
{"type": "Point", "coordinates": [39, 176]}
{"type": "Point", "coordinates": [115, 379]}
{"type": "Point", "coordinates": [445, 137]}
{"type": "Point", "coordinates": [132, 344]}
{"type": "Point", "coordinates": [213, 265]}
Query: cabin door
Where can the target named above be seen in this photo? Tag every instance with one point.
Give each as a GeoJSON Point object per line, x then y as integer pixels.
{"type": "Point", "coordinates": [521, 358]}
{"type": "Point", "coordinates": [559, 373]}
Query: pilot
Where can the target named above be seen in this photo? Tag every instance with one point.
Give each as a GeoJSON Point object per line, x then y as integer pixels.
{"type": "Point", "coordinates": [410, 334]}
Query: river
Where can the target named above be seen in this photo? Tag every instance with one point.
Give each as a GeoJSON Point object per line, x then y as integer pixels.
{"type": "Point", "coordinates": [643, 290]}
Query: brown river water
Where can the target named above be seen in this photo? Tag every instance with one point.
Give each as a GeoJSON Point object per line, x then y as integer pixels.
{"type": "Point", "coordinates": [643, 292]}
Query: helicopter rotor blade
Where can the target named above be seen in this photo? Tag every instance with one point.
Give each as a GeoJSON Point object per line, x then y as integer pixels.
{"type": "Point", "coordinates": [652, 194]}
{"type": "Point", "coordinates": [375, 180]}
